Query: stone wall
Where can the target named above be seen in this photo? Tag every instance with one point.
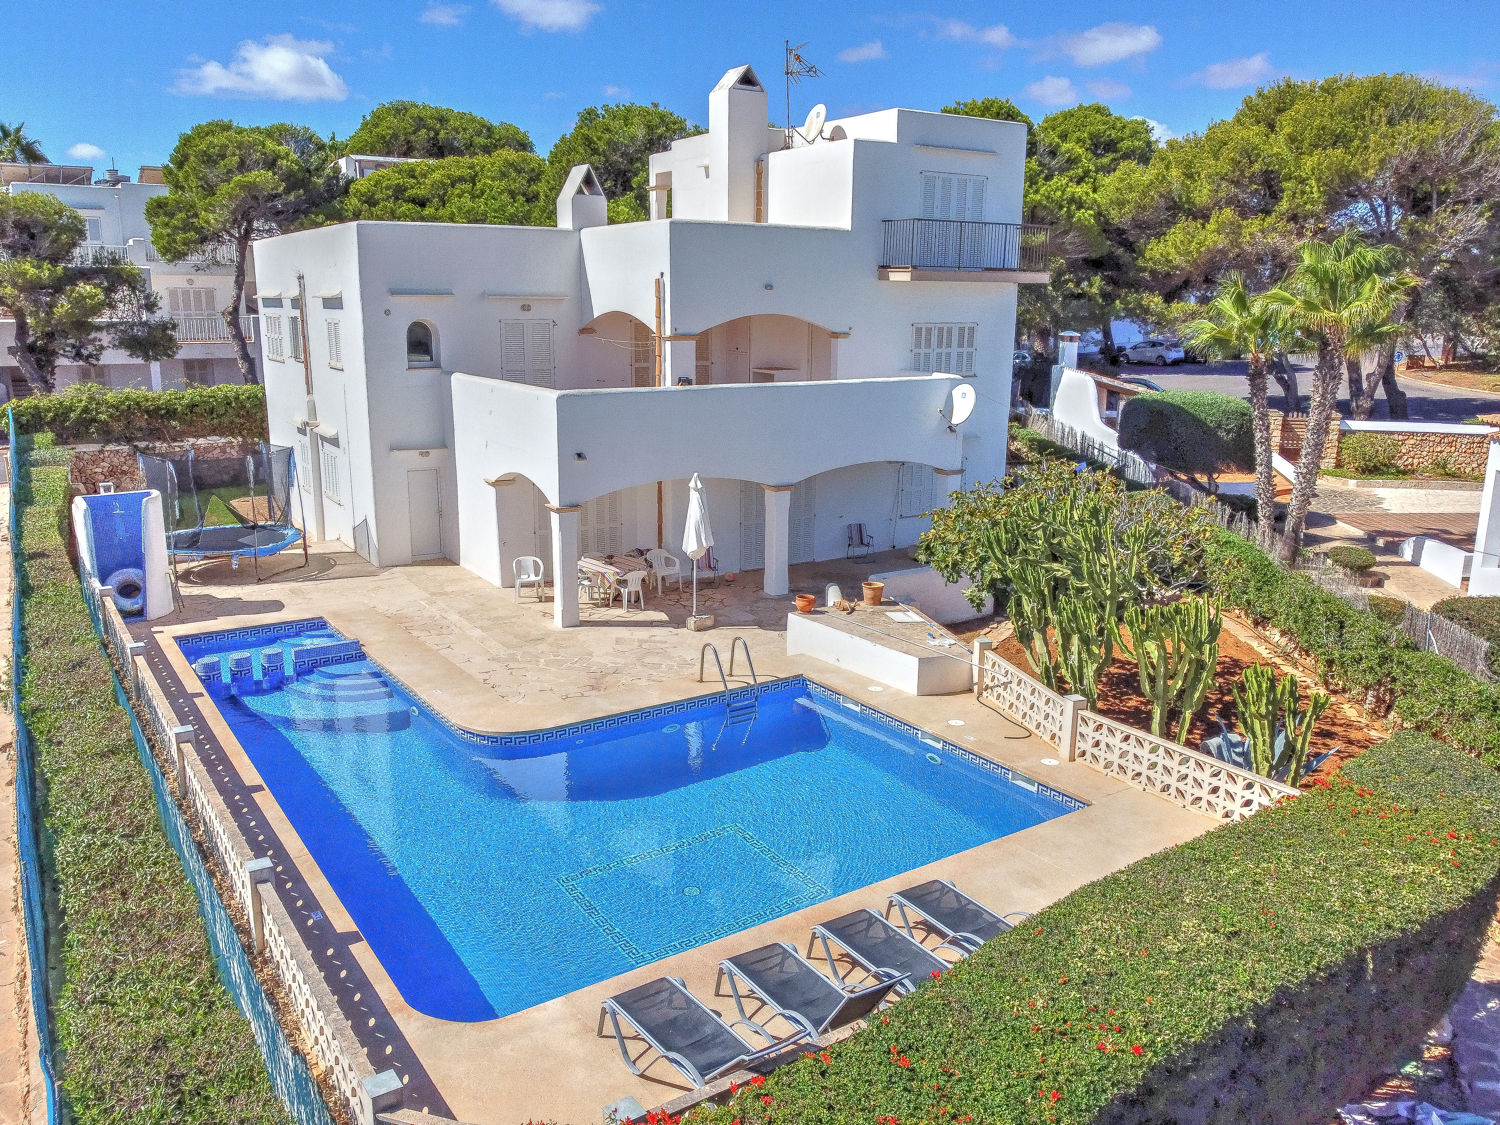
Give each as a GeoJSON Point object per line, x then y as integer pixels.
{"type": "Point", "coordinates": [1422, 451]}
{"type": "Point", "coordinates": [216, 461]}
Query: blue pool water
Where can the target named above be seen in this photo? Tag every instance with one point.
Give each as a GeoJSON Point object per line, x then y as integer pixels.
{"type": "Point", "coordinates": [493, 872]}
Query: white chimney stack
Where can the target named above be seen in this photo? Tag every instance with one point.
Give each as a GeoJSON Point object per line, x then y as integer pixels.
{"type": "Point", "coordinates": [1067, 349]}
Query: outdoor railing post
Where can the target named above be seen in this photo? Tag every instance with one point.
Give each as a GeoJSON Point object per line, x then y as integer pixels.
{"type": "Point", "coordinates": [182, 738]}
{"type": "Point", "coordinates": [982, 649]}
{"type": "Point", "coordinates": [380, 1093]}
{"type": "Point", "coordinates": [1072, 718]}
{"type": "Point", "coordinates": [260, 871]}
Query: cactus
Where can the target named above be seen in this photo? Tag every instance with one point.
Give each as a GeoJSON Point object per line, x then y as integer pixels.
{"type": "Point", "coordinates": [1277, 728]}
{"type": "Point", "coordinates": [1175, 646]}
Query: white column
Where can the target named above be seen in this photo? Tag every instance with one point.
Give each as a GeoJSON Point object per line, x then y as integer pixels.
{"type": "Point", "coordinates": [679, 360]}
{"type": "Point", "coordinates": [778, 537]}
{"type": "Point", "coordinates": [156, 374]}
{"type": "Point", "coordinates": [564, 565]}
{"type": "Point", "coordinates": [1484, 574]}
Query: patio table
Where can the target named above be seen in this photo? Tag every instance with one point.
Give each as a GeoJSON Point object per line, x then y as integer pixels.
{"type": "Point", "coordinates": [609, 571]}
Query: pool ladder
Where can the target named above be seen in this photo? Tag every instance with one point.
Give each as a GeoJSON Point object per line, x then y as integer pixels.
{"type": "Point", "coordinates": [738, 710]}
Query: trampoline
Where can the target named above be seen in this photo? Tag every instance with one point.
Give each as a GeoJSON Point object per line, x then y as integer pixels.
{"type": "Point", "coordinates": [226, 507]}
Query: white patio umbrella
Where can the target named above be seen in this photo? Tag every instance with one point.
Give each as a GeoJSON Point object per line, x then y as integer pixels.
{"type": "Point", "coordinates": [698, 537]}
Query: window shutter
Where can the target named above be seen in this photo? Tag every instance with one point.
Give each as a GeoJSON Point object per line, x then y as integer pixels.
{"type": "Point", "coordinates": [703, 360]}
{"type": "Point", "coordinates": [976, 199]}
{"type": "Point", "coordinates": [335, 343]}
{"type": "Point", "coordinates": [752, 525]}
{"type": "Point", "coordinates": [800, 519]}
{"type": "Point", "coordinates": [642, 359]}
{"type": "Point", "coordinates": [513, 350]}
{"type": "Point", "coordinates": [539, 353]}
{"type": "Point", "coordinates": [929, 195]}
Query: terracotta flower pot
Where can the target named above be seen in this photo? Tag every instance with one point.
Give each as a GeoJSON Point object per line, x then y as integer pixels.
{"type": "Point", "coordinates": [806, 602]}
{"type": "Point", "coordinates": [874, 593]}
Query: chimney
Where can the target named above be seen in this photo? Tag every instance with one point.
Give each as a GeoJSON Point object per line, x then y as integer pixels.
{"type": "Point", "coordinates": [1067, 348]}
{"type": "Point", "coordinates": [113, 177]}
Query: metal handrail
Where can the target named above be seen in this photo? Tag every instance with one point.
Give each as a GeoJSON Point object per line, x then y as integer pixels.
{"type": "Point", "coordinates": [709, 647]}
{"type": "Point", "coordinates": [741, 642]}
{"type": "Point", "coordinates": [962, 244]}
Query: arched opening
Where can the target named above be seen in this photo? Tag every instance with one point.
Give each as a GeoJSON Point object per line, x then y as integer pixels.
{"type": "Point", "coordinates": [421, 344]}
{"type": "Point", "coordinates": [764, 348]}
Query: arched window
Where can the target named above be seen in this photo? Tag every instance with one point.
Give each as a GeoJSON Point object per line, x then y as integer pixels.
{"type": "Point", "coordinates": [420, 351]}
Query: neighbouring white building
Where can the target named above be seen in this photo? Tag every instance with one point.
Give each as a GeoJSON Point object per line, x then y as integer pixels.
{"type": "Point", "coordinates": [192, 292]}
{"type": "Point", "coordinates": [789, 324]}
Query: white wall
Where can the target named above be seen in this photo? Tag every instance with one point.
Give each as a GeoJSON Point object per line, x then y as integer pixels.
{"type": "Point", "coordinates": [1076, 404]}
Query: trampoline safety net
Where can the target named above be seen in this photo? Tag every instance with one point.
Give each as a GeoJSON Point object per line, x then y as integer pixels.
{"type": "Point", "coordinates": [225, 507]}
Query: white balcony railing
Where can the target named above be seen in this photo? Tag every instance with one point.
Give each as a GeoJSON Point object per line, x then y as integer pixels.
{"type": "Point", "coordinates": [210, 329]}
{"type": "Point", "coordinates": [574, 445]}
{"type": "Point", "coordinates": [218, 256]}
{"type": "Point", "coordinates": [98, 254]}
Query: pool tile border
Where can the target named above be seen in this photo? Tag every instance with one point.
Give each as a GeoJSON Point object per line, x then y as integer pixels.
{"type": "Point", "coordinates": [659, 710]}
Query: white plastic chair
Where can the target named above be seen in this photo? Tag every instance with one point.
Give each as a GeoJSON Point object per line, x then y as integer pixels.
{"type": "Point", "coordinates": [664, 565]}
{"type": "Point", "coordinates": [630, 586]}
{"type": "Point", "coordinates": [529, 572]}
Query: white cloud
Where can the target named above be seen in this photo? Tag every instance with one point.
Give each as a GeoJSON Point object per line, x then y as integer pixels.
{"type": "Point", "coordinates": [444, 15]}
{"type": "Point", "coordinates": [86, 151]}
{"type": "Point", "coordinates": [279, 67]}
{"type": "Point", "coordinates": [1159, 132]}
{"type": "Point", "coordinates": [996, 35]}
{"type": "Point", "coordinates": [865, 52]}
{"type": "Point", "coordinates": [1108, 43]}
{"type": "Point", "coordinates": [1053, 90]}
{"type": "Point", "coordinates": [1108, 90]}
{"type": "Point", "coordinates": [550, 15]}
{"type": "Point", "coordinates": [615, 91]}
{"type": "Point", "coordinates": [1234, 73]}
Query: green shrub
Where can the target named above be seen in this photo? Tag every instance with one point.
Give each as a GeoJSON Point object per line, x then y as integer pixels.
{"type": "Point", "coordinates": [1196, 432]}
{"type": "Point", "coordinates": [89, 413]}
{"type": "Point", "coordinates": [1239, 503]}
{"type": "Point", "coordinates": [145, 1030]}
{"type": "Point", "coordinates": [1480, 616]}
{"type": "Point", "coordinates": [1359, 652]}
{"type": "Point", "coordinates": [1358, 559]}
{"type": "Point", "coordinates": [1388, 610]}
{"type": "Point", "coordinates": [1369, 454]}
{"type": "Point", "coordinates": [1263, 972]}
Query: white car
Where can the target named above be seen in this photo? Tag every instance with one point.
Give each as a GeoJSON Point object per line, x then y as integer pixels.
{"type": "Point", "coordinates": [1153, 350]}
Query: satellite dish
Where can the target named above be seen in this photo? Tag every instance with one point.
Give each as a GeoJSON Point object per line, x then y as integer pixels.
{"type": "Point", "coordinates": [961, 400]}
{"type": "Point", "coordinates": [813, 129]}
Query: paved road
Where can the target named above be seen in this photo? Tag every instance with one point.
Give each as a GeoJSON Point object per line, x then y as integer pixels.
{"type": "Point", "coordinates": [1426, 402]}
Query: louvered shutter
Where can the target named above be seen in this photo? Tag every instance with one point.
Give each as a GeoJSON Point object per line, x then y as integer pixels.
{"type": "Point", "coordinates": [539, 353]}
{"type": "Point", "coordinates": [642, 357]}
{"type": "Point", "coordinates": [703, 360]}
{"type": "Point", "coordinates": [600, 531]}
{"type": "Point", "coordinates": [976, 199]}
{"type": "Point", "coordinates": [752, 526]}
{"type": "Point", "coordinates": [513, 350]}
{"type": "Point", "coordinates": [335, 343]}
{"type": "Point", "coordinates": [800, 533]}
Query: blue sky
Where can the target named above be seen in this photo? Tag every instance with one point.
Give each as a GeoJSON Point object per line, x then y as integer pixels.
{"type": "Point", "coordinates": [120, 79]}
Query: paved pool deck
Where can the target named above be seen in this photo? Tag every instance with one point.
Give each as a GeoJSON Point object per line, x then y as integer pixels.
{"type": "Point", "coordinates": [490, 663]}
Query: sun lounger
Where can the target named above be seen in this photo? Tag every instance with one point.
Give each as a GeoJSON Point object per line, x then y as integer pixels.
{"type": "Point", "coordinates": [788, 983]}
{"type": "Point", "coordinates": [876, 946]}
{"type": "Point", "coordinates": [952, 915]}
{"type": "Point", "coordinates": [686, 1032]}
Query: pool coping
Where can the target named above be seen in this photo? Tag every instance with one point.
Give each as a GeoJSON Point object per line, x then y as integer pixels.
{"type": "Point", "coordinates": [313, 884]}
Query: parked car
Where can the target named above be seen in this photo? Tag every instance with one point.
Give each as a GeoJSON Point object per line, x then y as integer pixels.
{"type": "Point", "coordinates": [1153, 349]}
{"type": "Point", "coordinates": [1140, 381]}
{"type": "Point", "coordinates": [1019, 359]}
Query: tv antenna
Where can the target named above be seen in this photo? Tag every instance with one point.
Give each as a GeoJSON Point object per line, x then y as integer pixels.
{"type": "Point", "coordinates": [796, 69]}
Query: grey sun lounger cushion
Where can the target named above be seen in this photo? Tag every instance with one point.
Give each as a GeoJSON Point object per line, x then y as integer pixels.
{"type": "Point", "coordinates": [950, 913]}
{"type": "Point", "coordinates": [686, 1032]}
{"type": "Point", "coordinates": [874, 944]}
{"type": "Point", "coordinates": [789, 983]}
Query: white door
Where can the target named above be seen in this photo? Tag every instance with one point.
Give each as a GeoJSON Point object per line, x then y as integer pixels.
{"type": "Point", "coordinates": [425, 513]}
{"type": "Point", "coordinates": [800, 545]}
{"type": "Point", "coordinates": [752, 526]}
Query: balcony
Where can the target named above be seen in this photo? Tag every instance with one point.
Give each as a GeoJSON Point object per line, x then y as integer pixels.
{"type": "Point", "coordinates": [99, 254]}
{"type": "Point", "coordinates": [216, 256]}
{"type": "Point", "coordinates": [957, 250]}
{"type": "Point", "coordinates": [210, 329]}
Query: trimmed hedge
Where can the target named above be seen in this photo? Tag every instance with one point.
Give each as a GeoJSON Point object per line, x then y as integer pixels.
{"type": "Point", "coordinates": [1212, 982]}
{"type": "Point", "coordinates": [1358, 559]}
{"type": "Point", "coordinates": [1370, 454]}
{"type": "Point", "coordinates": [89, 413]}
{"type": "Point", "coordinates": [1359, 652]}
{"type": "Point", "coordinates": [145, 1030]}
{"type": "Point", "coordinates": [1199, 432]}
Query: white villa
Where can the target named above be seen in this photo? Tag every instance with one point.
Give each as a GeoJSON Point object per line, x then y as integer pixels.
{"type": "Point", "coordinates": [789, 324]}
{"type": "Point", "coordinates": [193, 292]}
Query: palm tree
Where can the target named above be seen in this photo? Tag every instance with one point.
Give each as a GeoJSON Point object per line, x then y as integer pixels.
{"type": "Point", "coordinates": [1339, 298]}
{"type": "Point", "coordinates": [17, 148]}
{"type": "Point", "coordinates": [1239, 323]}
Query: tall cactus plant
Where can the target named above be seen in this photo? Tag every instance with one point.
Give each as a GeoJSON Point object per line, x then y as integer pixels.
{"type": "Point", "coordinates": [1175, 646]}
{"type": "Point", "coordinates": [1277, 728]}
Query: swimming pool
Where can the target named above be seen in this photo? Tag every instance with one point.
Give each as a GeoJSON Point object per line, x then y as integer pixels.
{"type": "Point", "coordinates": [489, 873]}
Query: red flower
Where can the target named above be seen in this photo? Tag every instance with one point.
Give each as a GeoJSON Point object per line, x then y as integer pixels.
{"type": "Point", "coordinates": [758, 1080]}
{"type": "Point", "coordinates": [826, 1057]}
{"type": "Point", "coordinates": [935, 974]}
{"type": "Point", "coordinates": [1103, 1046]}
{"type": "Point", "coordinates": [734, 1087]}
{"type": "Point", "coordinates": [766, 1099]}
{"type": "Point", "coordinates": [903, 1061]}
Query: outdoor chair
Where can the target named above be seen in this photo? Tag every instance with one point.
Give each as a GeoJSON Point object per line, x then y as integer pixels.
{"type": "Point", "coordinates": [789, 984]}
{"type": "Point", "coordinates": [664, 565]}
{"type": "Point", "coordinates": [529, 572]}
{"type": "Point", "coordinates": [875, 945]}
{"type": "Point", "coordinates": [950, 914]}
{"type": "Point", "coordinates": [630, 587]}
{"type": "Point", "coordinates": [859, 541]}
{"type": "Point", "coordinates": [591, 587]}
{"type": "Point", "coordinates": [707, 566]}
{"type": "Point", "coordinates": [686, 1032]}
